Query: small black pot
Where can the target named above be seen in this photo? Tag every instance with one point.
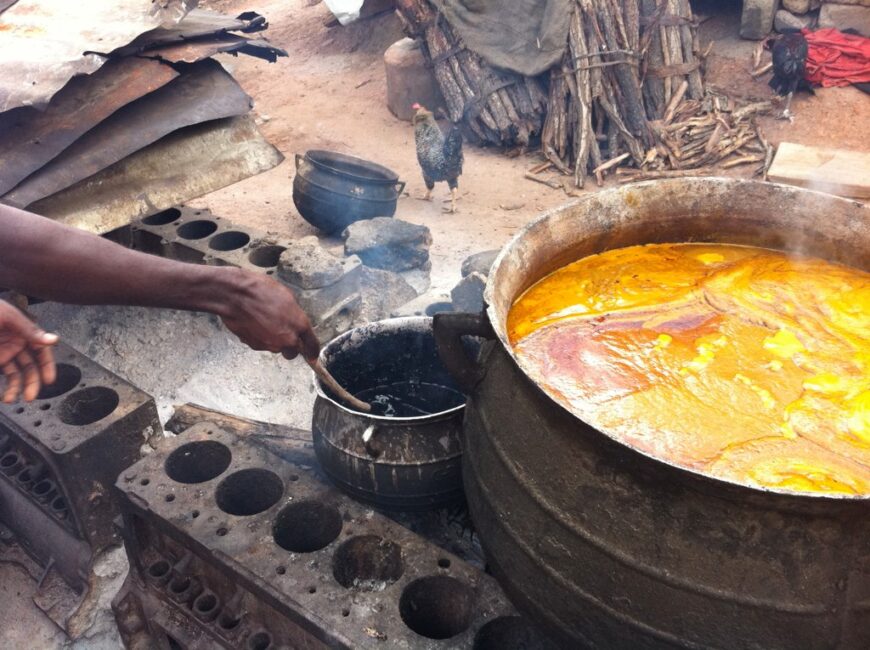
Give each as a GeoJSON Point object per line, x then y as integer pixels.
{"type": "Point", "coordinates": [399, 463]}
{"type": "Point", "coordinates": [332, 190]}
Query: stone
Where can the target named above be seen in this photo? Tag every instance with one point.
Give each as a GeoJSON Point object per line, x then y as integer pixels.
{"type": "Point", "coordinates": [468, 294]}
{"type": "Point", "coordinates": [863, 3]}
{"type": "Point", "coordinates": [419, 278]}
{"type": "Point", "coordinates": [841, 16]}
{"type": "Point", "coordinates": [479, 263]}
{"type": "Point", "coordinates": [409, 80]}
{"type": "Point", "coordinates": [307, 265]}
{"type": "Point", "coordinates": [388, 244]}
{"type": "Point", "coordinates": [785, 21]}
{"type": "Point", "coordinates": [382, 292]}
{"type": "Point", "coordinates": [757, 18]}
{"type": "Point", "coordinates": [426, 305]}
{"type": "Point", "coordinates": [801, 6]}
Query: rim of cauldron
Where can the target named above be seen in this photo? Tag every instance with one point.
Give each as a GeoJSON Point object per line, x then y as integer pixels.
{"type": "Point", "coordinates": [733, 184]}
{"type": "Point", "coordinates": [326, 160]}
{"type": "Point", "coordinates": [423, 323]}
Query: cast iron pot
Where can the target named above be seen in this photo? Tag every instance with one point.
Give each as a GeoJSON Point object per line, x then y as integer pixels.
{"type": "Point", "coordinates": [401, 463]}
{"type": "Point", "coordinates": [332, 190]}
{"type": "Point", "coordinates": [609, 548]}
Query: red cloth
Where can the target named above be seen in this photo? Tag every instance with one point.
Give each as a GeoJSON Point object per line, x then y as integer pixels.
{"type": "Point", "coordinates": [837, 59]}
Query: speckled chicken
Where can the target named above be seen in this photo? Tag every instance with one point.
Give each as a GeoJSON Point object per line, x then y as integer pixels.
{"type": "Point", "coordinates": [439, 155]}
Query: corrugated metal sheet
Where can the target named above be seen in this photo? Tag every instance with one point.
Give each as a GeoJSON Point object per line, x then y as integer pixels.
{"type": "Point", "coordinates": [205, 91]}
{"type": "Point", "coordinates": [32, 138]}
{"type": "Point", "coordinates": [186, 164]}
{"type": "Point", "coordinates": [42, 43]}
{"type": "Point", "coordinates": [202, 48]}
{"type": "Point", "coordinates": [198, 23]}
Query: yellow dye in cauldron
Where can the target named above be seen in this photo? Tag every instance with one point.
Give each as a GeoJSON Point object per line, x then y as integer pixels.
{"type": "Point", "coordinates": [742, 363]}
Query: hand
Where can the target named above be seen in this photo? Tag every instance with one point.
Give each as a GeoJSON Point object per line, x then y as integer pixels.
{"type": "Point", "coordinates": [264, 314]}
{"type": "Point", "coordinates": [26, 359]}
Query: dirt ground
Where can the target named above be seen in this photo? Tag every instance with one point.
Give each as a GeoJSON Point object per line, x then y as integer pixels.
{"type": "Point", "coordinates": [329, 93]}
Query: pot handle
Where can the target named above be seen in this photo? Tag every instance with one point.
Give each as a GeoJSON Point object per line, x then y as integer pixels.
{"type": "Point", "coordinates": [299, 158]}
{"type": "Point", "coordinates": [449, 328]}
{"type": "Point", "coordinates": [400, 188]}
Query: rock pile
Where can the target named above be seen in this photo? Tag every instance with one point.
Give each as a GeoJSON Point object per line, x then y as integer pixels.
{"type": "Point", "coordinates": [760, 16]}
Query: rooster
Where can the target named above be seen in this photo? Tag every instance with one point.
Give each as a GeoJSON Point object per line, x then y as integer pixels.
{"type": "Point", "coordinates": [439, 155]}
{"type": "Point", "coordinates": [789, 66]}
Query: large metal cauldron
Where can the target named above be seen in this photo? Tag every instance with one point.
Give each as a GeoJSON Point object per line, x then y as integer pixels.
{"type": "Point", "coordinates": [411, 462]}
{"type": "Point", "coordinates": [609, 548]}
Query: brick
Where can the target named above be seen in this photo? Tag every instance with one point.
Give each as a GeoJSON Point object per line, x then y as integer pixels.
{"type": "Point", "coordinates": [800, 6]}
{"type": "Point", "coordinates": [787, 21]}
{"type": "Point", "coordinates": [389, 244]}
{"type": "Point", "coordinates": [757, 18]}
{"type": "Point", "coordinates": [841, 16]}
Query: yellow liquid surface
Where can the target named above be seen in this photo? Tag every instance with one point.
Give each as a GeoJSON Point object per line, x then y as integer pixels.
{"type": "Point", "coordinates": [742, 363]}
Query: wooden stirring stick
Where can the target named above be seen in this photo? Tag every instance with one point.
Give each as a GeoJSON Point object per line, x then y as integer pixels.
{"type": "Point", "coordinates": [336, 388]}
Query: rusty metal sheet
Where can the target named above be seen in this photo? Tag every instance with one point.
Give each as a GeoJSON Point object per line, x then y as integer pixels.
{"type": "Point", "coordinates": [204, 92]}
{"type": "Point", "coordinates": [188, 163]}
{"type": "Point", "coordinates": [198, 23]}
{"type": "Point", "coordinates": [202, 48]}
{"type": "Point", "coordinates": [32, 138]}
{"type": "Point", "coordinates": [43, 43]}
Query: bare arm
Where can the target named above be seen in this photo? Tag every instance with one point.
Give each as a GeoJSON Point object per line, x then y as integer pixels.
{"type": "Point", "coordinates": [42, 258]}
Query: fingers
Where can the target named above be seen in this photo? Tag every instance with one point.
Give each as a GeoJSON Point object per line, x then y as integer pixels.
{"type": "Point", "coordinates": [16, 322]}
{"type": "Point", "coordinates": [13, 382]}
{"type": "Point", "coordinates": [24, 377]}
{"type": "Point", "coordinates": [29, 374]}
{"type": "Point", "coordinates": [47, 368]}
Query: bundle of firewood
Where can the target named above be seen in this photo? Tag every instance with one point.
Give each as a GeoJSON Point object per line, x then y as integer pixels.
{"type": "Point", "coordinates": [696, 135]}
{"type": "Point", "coordinates": [627, 62]}
{"type": "Point", "coordinates": [499, 107]}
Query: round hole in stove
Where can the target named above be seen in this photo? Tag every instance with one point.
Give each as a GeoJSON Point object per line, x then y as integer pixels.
{"type": "Point", "coordinates": [444, 563]}
{"type": "Point", "coordinates": [205, 603]}
{"type": "Point", "coordinates": [229, 241]}
{"type": "Point", "coordinates": [10, 459]}
{"type": "Point", "coordinates": [249, 491]}
{"type": "Point", "coordinates": [44, 407]}
{"type": "Point", "coordinates": [145, 481]}
{"type": "Point", "coordinates": [260, 640]}
{"type": "Point", "coordinates": [281, 570]}
{"type": "Point", "coordinates": [162, 218]}
{"type": "Point", "coordinates": [437, 607]}
{"type": "Point", "coordinates": [88, 405]}
{"type": "Point", "coordinates": [367, 563]}
{"type": "Point", "coordinates": [198, 229]}
{"type": "Point", "coordinates": [510, 633]}
{"type": "Point", "coordinates": [169, 498]}
{"type": "Point", "coordinates": [179, 584]}
{"type": "Point", "coordinates": [221, 532]}
{"type": "Point", "coordinates": [58, 504]}
{"type": "Point", "coordinates": [159, 569]}
{"type": "Point", "coordinates": [197, 462]}
{"type": "Point", "coordinates": [306, 526]}
{"type": "Point", "coordinates": [66, 379]}
{"type": "Point", "coordinates": [43, 487]}
{"type": "Point", "coordinates": [19, 410]}
{"type": "Point", "coordinates": [345, 612]}
{"type": "Point", "coordinates": [266, 256]}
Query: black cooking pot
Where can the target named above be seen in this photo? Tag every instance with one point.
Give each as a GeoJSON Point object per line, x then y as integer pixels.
{"type": "Point", "coordinates": [408, 462]}
{"type": "Point", "coordinates": [332, 190]}
{"type": "Point", "coordinates": [608, 547]}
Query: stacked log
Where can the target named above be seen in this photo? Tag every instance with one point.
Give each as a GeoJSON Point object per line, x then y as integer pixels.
{"type": "Point", "coordinates": [498, 107]}
{"type": "Point", "coordinates": [626, 63]}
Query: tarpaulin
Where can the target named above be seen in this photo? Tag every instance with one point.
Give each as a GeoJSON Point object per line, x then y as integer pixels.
{"type": "Point", "coordinates": [526, 36]}
{"type": "Point", "coordinates": [837, 59]}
